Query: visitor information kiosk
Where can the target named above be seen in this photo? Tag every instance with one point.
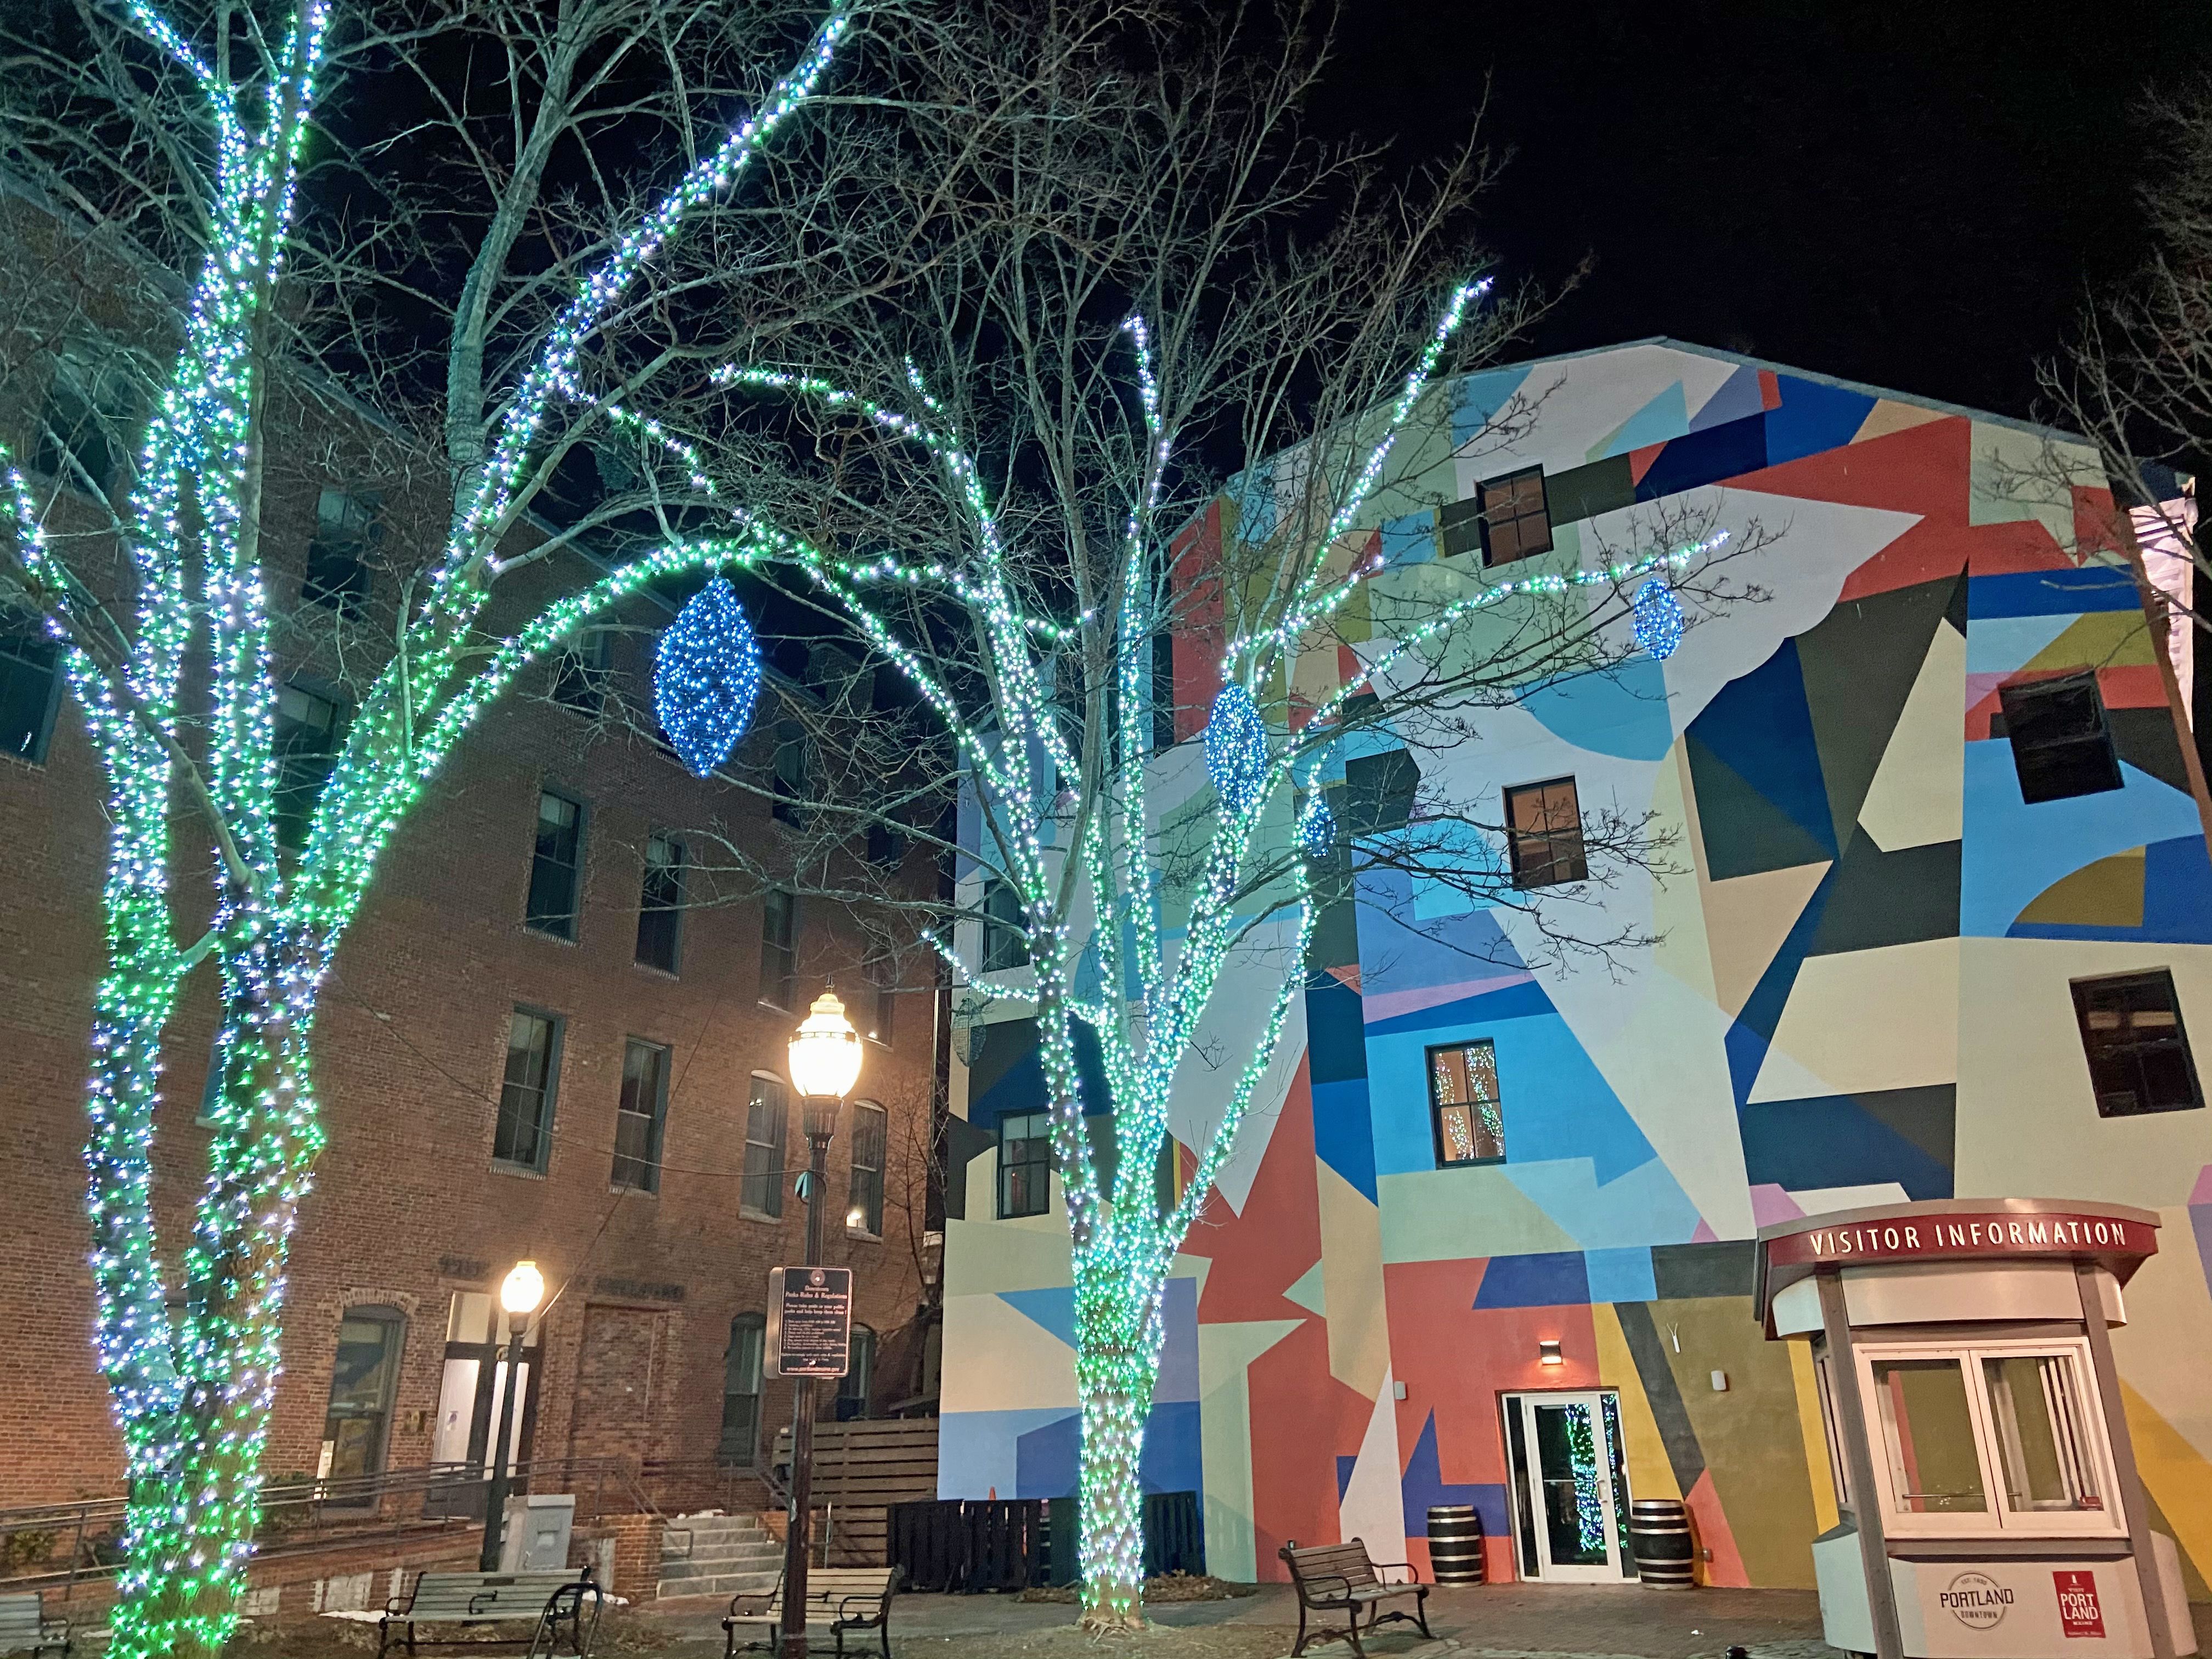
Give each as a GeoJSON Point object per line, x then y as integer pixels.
{"type": "Point", "coordinates": [1990, 1504]}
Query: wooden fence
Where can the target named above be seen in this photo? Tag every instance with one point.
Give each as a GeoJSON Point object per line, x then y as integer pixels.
{"type": "Point", "coordinates": [860, 1469]}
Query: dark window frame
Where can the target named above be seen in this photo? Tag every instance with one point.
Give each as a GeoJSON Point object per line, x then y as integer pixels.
{"type": "Point", "coordinates": [760, 1191]}
{"type": "Point", "coordinates": [549, 1096]}
{"type": "Point", "coordinates": [584, 671]}
{"type": "Point", "coordinates": [1513, 514]}
{"type": "Point", "coordinates": [858, 1383]}
{"type": "Point", "coordinates": [638, 1171]}
{"type": "Point", "coordinates": [2057, 764]}
{"type": "Point", "coordinates": [779, 963]}
{"type": "Point", "coordinates": [1006, 939]}
{"type": "Point", "coordinates": [883, 1007]}
{"type": "Point", "coordinates": [1438, 1108]}
{"type": "Point", "coordinates": [791, 774]}
{"type": "Point", "coordinates": [29, 654]}
{"type": "Point", "coordinates": [560, 925]}
{"type": "Point", "coordinates": [1029, 1176]}
{"type": "Point", "coordinates": [394, 1359]}
{"type": "Point", "coordinates": [1553, 855]}
{"type": "Point", "coordinates": [660, 904]}
{"type": "Point", "coordinates": [337, 573]}
{"type": "Point", "coordinates": [2118, 1061]}
{"type": "Point", "coordinates": [752, 1326]}
{"type": "Point", "coordinates": [303, 771]}
{"type": "Point", "coordinates": [94, 372]}
{"type": "Point", "coordinates": [863, 1190]}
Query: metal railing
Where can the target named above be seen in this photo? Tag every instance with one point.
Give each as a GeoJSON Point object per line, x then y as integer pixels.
{"type": "Point", "coordinates": [58, 1547]}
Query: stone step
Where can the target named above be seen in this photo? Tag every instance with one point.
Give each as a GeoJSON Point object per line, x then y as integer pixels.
{"type": "Point", "coordinates": [728, 1583]}
{"type": "Point", "coordinates": [749, 1560]}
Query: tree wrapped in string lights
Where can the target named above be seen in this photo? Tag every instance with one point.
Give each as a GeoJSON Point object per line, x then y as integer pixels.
{"type": "Point", "coordinates": [1008, 324]}
{"type": "Point", "coordinates": [193, 1384]}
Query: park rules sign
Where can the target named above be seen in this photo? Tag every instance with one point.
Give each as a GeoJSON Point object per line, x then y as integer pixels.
{"type": "Point", "coordinates": [810, 1321]}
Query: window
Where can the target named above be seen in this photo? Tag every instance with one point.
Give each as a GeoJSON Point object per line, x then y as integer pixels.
{"type": "Point", "coordinates": [1544, 832]}
{"type": "Point", "coordinates": [864, 1210]}
{"type": "Point", "coordinates": [1988, 1438]}
{"type": "Point", "coordinates": [660, 903]}
{"type": "Point", "coordinates": [779, 974]}
{"type": "Point", "coordinates": [789, 787]}
{"type": "Point", "coordinates": [887, 845]}
{"type": "Point", "coordinates": [1005, 929]}
{"type": "Point", "coordinates": [1164, 693]}
{"type": "Point", "coordinates": [2061, 743]}
{"type": "Point", "coordinates": [525, 1134]}
{"type": "Point", "coordinates": [639, 1119]}
{"type": "Point", "coordinates": [1463, 1103]}
{"type": "Point", "coordinates": [2139, 1059]}
{"type": "Point", "coordinates": [859, 1380]}
{"type": "Point", "coordinates": [1508, 519]}
{"type": "Point", "coordinates": [1025, 1164]}
{"type": "Point", "coordinates": [554, 865]}
{"type": "Point", "coordinates": [30, 685]}
{"type": "Point", "coordinates": [308, 730]}
{"type": "Point", "coordinates": [362, 1375]}
{"type": "Point", "coordinates": [741, 1389]}
{"type": "Point", "coordinates": [337, 558]}
{"type": "Point", "coordinates": [581, 672]}
{"type": "Point", "coordinates": [761, 1189]}
{"type": "Point", "coordinates": [883, 1004]}
{"type": "Point", "coordinates": [86, 428]}
{"type": "Point", "coordinates": [1832, 1428]}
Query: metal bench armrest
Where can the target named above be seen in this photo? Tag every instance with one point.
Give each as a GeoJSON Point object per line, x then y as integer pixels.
{"type": "Point", "coordinates": [1382, 1567]}
{"type": "Point", "coordinates": [1317, 1584]}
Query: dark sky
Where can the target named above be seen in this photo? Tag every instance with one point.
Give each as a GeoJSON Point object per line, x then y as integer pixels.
{"type": "Point", "coordinates": [1912, 193]}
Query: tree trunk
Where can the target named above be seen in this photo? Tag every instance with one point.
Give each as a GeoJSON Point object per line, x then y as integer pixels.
{"type": "Point", "coordinates": [190, 1531]}
{"type": "Point", "coordinates": [1117, 1362]}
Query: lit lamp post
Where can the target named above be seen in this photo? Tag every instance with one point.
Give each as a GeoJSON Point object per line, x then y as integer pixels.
{"type": "Point", "coordinates": [825, 1063]}
{"type": "Point", "coordinates": [520, 1293]}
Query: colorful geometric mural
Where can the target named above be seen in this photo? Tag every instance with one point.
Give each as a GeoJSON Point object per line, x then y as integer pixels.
{"type": "Point", "coordinates": [1860, 994]}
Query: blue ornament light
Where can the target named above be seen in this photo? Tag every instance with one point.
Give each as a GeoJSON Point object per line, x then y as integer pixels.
{"type": "Point", "coordinates": [706, 678]}
{"type": "Point", "coordinates": [1658, 619]}
{"type": "Point", "coordinates": [1237, 749]}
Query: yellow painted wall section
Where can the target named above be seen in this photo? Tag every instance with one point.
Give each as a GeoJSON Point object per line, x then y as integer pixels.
{"type": "Point", "coordinates": [2177, 1478]}
{"type": "Point", "coordinates": [1649, 1473]}
{"type": "Point", "coordinates": [1818, 1470]}
{"type": "Point", "coordinates": [1351, 1284]}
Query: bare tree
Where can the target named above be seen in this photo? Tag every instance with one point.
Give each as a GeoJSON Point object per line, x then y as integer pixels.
{"type": "Point", "coordinates": [1135, 355]}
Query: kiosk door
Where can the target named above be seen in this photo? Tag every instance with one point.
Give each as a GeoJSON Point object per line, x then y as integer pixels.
{"type": "Point", "coordinates": [1566, 1456]}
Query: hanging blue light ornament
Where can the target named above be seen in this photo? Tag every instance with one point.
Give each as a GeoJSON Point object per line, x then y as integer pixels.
{"type": "Point", "coordinates": [1658, 619]}
{"type": "Point", "coordinates": [1237, 749]}
{"type": "Point", "coordinates": [706, 678]}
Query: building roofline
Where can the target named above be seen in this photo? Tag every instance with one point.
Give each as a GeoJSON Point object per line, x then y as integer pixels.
{"type": "Point", "coordinates": [1987, 416]}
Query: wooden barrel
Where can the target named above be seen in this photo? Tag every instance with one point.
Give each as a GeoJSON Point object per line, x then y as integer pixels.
{"type": "Point", "coordinates": [1659, 1538]}
{"type": "Point", "coordinates": [1455, 1544]}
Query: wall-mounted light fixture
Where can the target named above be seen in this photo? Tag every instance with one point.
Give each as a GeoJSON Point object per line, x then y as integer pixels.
{"type": "Point", "coordinates": [1547, 1353]}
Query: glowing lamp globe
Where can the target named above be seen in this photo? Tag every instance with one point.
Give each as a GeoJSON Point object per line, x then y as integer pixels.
{"type": "Point", "coordinates": [825, 1051]}
{"type": "Point", "coordinates": [523, 1289]}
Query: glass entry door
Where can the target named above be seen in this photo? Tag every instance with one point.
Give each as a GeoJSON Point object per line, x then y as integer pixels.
{"type": "Point", "coordinates": [1571, 1495]}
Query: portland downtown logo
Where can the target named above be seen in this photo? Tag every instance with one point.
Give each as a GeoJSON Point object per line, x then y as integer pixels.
{"type": "Point", "coordinates": [1976, 1600]}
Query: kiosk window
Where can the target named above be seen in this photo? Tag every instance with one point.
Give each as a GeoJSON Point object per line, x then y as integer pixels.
{"type": "Point", "coordinates": [2035, 1410]}
{"type": "Point", "coordinates": [1928, 1431]}
{"type": "Point", "coordinates": [1953, 1424]}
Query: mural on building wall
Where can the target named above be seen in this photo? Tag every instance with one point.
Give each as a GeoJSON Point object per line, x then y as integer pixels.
{"type": "Point", "coordinates": [1861, 994]}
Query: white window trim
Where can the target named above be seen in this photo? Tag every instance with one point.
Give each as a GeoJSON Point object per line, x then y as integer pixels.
{"type": "Point", "coordinates": [2000, 1519]}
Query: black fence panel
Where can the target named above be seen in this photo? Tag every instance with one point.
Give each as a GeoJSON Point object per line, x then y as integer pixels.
{"type": "Point", "coordinates": [966, 1548]}
{"type": "Point", "coordinates": [1174, 1535]}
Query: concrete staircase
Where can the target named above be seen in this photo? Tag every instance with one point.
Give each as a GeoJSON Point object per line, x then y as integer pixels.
{"type": "Point", "coordinates": [718, 1555]}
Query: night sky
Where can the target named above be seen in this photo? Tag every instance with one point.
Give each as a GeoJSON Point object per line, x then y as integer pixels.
{"type": "Point", "coordinates": [1914, 195]}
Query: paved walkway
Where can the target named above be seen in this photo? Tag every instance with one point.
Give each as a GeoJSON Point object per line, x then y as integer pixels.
{"type": "Point", "coordinates": [1573, 1621]}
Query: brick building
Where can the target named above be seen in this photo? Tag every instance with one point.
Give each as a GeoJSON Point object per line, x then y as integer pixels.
{"type": "Point", "coordinates": [539, 1039]}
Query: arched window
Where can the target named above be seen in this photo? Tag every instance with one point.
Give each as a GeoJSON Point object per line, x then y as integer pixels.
{"type": "Point", "coordinates": [741, 1389]}
{"type": "Point", "coordinates": [859, 1380]}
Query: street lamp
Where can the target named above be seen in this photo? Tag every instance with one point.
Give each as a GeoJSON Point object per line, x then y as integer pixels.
{"type": "Point", "coordinates": [520, 1293]}
{"type": "Point", "coordinates": [825, 1063]}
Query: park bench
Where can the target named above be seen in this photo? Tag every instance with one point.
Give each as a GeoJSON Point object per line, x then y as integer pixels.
{"type": "Point", "coordinates": [553, 1602]}
{"type": "Point", "coordinates": [25, 1628]}
{"type": "Point", "coordinates": [843, 1598]}
{"type": "Point", "coordinates": [1339, 1578]}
